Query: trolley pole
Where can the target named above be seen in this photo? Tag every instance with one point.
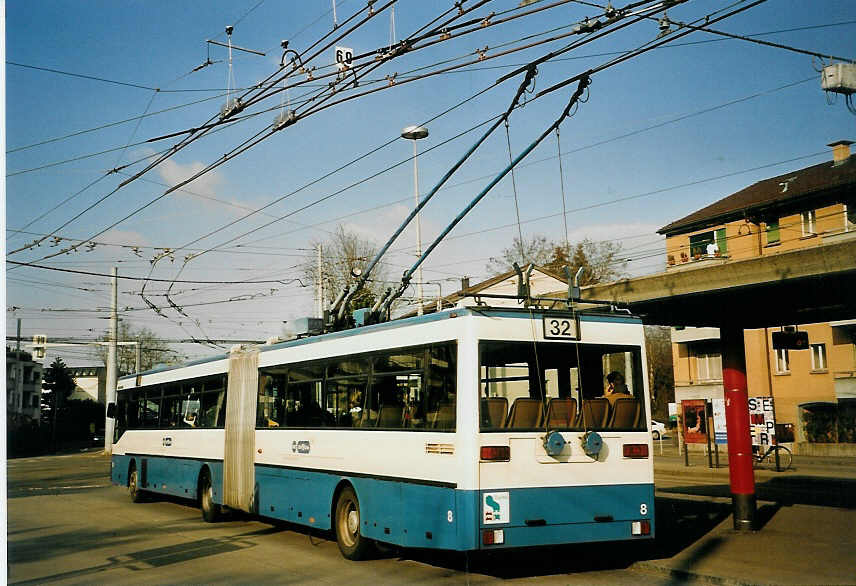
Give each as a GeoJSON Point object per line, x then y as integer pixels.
{"type": "Point", "coordinates": [109, 422]}
{"type": "Point", "coordinates": [742, 478]}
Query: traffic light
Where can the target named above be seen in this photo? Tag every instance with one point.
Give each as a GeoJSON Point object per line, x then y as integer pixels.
{"type": "Point", "coordinates": [790, 340]}
{"type": "Point", "coordinates": [39, 345]}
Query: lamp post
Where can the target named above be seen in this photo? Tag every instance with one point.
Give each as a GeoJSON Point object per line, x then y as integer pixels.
{"type": "Point", "coordinates": [415, 133]}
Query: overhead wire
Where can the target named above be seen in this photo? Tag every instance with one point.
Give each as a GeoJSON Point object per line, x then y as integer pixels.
{"type": "Point", "coordinates": [685, 116]}
{"type": "Point", "coordinates": [374, 150]}
{"type": "Point", "coordinates": [165, 153]}
{"type": "Point", "coordinates": [403, 44]}
{"type": "Point", "coordinates": [591, 145]}
{"type": "Point", "coordinates": [181, 144]}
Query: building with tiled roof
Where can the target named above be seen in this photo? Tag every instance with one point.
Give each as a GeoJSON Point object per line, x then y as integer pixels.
{"type": "Point", "coordinates": [798, 209]}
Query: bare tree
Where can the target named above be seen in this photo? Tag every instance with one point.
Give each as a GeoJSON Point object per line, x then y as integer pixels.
{"type": "Point", "coordinates": [344, 256]}
{"type": "Point", "coordinates": [601, 261]}
{"type": "Point", "coordinates": [661, 373]}
{"type": "Point", "coordinates": [153, 351]}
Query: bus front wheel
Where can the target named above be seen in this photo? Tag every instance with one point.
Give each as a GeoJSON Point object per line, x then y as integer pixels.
{"type": "Point", "coordinates": [210, 509]}
{"type": "Point", "coordinates": [347, 522]}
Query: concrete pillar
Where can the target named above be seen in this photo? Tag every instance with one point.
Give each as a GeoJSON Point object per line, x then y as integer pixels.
{"type": "Point", "coordinates": [742, 478]}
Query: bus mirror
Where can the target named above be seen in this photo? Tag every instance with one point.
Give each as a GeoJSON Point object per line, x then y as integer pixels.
{"type": "Point", "coordinates": [111, 410]}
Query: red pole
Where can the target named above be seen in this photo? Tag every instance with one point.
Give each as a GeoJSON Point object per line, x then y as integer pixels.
{"type": "Point", "coordinates": [737, 423]}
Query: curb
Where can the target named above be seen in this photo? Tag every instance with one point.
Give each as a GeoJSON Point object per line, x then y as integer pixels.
{"type": "Point", "coordinates": [686, 575]}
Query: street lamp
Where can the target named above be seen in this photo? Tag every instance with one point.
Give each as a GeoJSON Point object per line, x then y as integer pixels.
{"type": "Point", "coordinates": [415, 133]}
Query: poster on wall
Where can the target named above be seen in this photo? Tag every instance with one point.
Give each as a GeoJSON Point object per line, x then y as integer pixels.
{"type": "Point", "coordinates": [762, 421]}
{"type": "Point", "coordinates": [694, 421]}
{"type": "Point", "coordinates": [720, 433]}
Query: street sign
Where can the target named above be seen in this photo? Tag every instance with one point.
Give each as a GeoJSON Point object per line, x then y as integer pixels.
{"type": "Point", "coordinates": [343, 56]}
{"type": "Point", "coordinates": [762, 421]}
{"type": "Point", "coordinates": [720, 433]}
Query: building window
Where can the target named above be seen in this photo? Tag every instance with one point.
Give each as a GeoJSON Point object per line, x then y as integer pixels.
{"type": "Point", "coordinates": [808, 220]}
{"type": "Point", "coordinates": [709, 366]}
{"type": "Point", "coordinates": [783, 363]}
{"type": "Point", "coordinates": [773, 231]}
{"type": "Point", "coordinates": [818, 356]}
{"type": "Point", "coordinates": [711, 243]}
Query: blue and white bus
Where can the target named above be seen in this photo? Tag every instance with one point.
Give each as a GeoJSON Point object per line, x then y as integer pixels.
{"type": "Point", "coordinates": [467, 429]}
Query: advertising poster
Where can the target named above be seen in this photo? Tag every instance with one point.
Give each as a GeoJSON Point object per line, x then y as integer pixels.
{"type": "Point", "coordinates": [694, 421]}
{"type": "Point", "coordinates": [673, 411]}
{"type": "Point", "coordinates": [720, 434]}
{"type": "Point", "coordinates": [762, 421]}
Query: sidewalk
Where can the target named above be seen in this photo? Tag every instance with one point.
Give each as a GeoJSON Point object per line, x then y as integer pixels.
{"type": "Point", "coordinates": [805, 524]}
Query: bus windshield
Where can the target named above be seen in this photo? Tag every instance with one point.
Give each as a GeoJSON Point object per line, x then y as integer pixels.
{"type": "Point", "coordinates": [547, 385]}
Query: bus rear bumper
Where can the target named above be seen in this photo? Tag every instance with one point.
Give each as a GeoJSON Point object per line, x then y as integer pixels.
{"type": "Point", "coordinates": [527, 517]}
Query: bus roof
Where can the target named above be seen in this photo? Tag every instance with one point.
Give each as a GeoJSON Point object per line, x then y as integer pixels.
{"type": "Point", "coordinates": [506, 312]}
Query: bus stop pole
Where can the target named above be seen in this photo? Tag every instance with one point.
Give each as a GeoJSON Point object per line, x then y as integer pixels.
{"type": "Point", "coordinates": [742, 478]}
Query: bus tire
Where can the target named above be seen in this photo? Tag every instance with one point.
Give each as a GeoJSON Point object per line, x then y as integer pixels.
{"type": "Point", "coordinates": [210, 509]}
{"type": "Point", "coordinates": [346, 524]}
{"type": "Point", "coordinates": [134, 485]}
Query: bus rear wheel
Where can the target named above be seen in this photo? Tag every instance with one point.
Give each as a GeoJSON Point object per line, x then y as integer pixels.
{"type": "Point", "coordinates": [210, 509]}
{"type": "Point", "coordinates": [346, 523]}
{"type": "Point", "coordinates": [134, 486]}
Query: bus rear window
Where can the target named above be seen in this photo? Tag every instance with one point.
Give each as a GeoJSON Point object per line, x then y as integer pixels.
{"type": "Point", "coordinates": [538, 386]}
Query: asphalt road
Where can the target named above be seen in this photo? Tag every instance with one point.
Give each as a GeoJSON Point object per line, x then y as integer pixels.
{"type": "Point", "coordinates": [68, 525]}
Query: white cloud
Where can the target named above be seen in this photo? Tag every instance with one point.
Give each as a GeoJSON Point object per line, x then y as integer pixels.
{"type": "Point", "coordinates": [208, 185]}
{"type": "Point", "coordinates": [124, 237]}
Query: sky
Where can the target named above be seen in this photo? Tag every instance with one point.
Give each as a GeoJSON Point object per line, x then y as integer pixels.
{"type": "Point", "coordinates": [105, 85]}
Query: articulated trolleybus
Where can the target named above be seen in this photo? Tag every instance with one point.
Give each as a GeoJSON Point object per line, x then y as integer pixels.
{"type": "Point", "coordinates": [467, 429]}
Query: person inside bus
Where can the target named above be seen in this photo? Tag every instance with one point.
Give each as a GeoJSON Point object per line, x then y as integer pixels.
{"type": "Point", "coordinates": [615, 388]}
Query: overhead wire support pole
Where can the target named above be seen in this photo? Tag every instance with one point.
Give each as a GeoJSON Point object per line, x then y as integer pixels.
{"type": "Point", "coordinates": [112, 366]}
{"type": "Point", "coordinates": [405, 279]}
{"type": "Point", "coordinates": [341, 308]}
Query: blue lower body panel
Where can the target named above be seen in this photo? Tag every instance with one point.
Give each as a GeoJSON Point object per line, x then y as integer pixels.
{"type": "Point", "coordinates": [572, 514]}
{"type": "Point", "coordinates": [404, 513]}
{"type": "Point", "coordinates": [173, 476]}
{"type": "Point", "coordinates": [415, 513]}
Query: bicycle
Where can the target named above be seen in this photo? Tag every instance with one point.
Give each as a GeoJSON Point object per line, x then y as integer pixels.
{"type": "Point", "coordinates": [785, 457]}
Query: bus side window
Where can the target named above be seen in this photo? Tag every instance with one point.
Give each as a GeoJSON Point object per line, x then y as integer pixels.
{"type": "Point", "coordinates": [441, 387]}
{"type": "Point", "coordinates": [269, 411]}
{"type": "Point", "coordinates": [150, 404]}
{"type": "Point", "coordinates": [171, 406]}
{"type": "Point", "coordinates": [121, 418]}
{"type": "Point", "coordinates": [132, 410]}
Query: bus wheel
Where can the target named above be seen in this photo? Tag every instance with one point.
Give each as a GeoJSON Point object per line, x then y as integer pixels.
{"type": "Point", "coordinates": [210, 509]}
{"type": "Point", "coordinates": [351, 542]}
{"type": "Point", "coordinates": [134, 486]}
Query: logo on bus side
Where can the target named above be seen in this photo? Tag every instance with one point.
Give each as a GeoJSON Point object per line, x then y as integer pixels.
{"type": "Point", "coordinates": [300, 447]}
{"type": "Point", "coordinates": [495, 508]}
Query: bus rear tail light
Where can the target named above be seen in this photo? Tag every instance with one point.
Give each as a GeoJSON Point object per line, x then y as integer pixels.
{"type": "Point", "coordinates": [493, 536]}
{"type": "Point", "coordinates": [496, 453]}
{"type": "Point", "coordinates": [635, 450]}
{"type": "Point", "coordinates": [640, 527]}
